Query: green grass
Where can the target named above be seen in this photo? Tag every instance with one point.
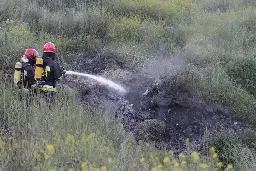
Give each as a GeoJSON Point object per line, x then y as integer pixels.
{"type": "Point", "coordinates": [215, 39]}
{"type": "Point", "coordinates": [67, 136]}
{"type": "Point", "coordinates": [238, 149]}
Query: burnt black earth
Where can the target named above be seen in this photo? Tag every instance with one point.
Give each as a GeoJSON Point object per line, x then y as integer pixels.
{"type": "Point", "coordinates": [163, 110]}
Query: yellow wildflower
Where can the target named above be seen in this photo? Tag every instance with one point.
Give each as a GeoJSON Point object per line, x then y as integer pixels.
{"type": "Point", "coordinates": [219, 164]}
{"type": "Point", "coordinates": [166, 160]}
{"type": "Point", "coordinates": [50, 148]}
{"type": "Point", "coordinates": [70, 139]}
{"type": "Point", "coordinates": [160, 166]}
{"type": "Point", "coordinates": [182, 156]}
{"type": "Point", "coordinates": [36, 155]}
{"type": "Point", "coordinates": [110, 160]}
{"type": "Point", "coordinates": [203, 165]}
{"type": "Point", "coordinates": [103, 168]}
{"type": "Point", "coordinates": [184, 164]}
{"type": "Point", "coordinates": [83, 165]}
{"type": "Point", "coordinates": [212, 150]}
{"type": "Point", "coordinates": [91, 135]}
{"type": "Point", "coordinates": [154, 169]}
{"type": "Point", "coordinates": [230, 166]}
{"type": "Point", "coordinates": [142, 160]}
{"type": "Point", "coordinates": [215, 156]}
{"type": "Point", "coordinates": [175, 163]}
{"type": "Point", "coordinates": [195, 156]}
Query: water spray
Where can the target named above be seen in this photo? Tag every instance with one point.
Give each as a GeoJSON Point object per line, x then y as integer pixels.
{"type": "Point", "coordinates": [101, 80]}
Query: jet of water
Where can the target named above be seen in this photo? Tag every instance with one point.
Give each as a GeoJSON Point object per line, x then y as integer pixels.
{"type": "Point", "coordinates": [100, 79]}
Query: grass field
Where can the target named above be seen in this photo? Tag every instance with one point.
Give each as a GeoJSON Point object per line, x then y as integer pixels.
{"type": "Point", "coordinates": [215, 39]}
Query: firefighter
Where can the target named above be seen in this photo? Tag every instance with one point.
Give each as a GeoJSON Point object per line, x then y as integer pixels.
{"type": "Point", "coordinates": [52, 72]}
{"type": "Point", "coordinates": [24, 75]}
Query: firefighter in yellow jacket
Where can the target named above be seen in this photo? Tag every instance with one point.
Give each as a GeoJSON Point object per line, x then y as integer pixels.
{"type": "Point", "coordinates": [24, 75]}
{"type": "Point", "coordinates": [48, 71]}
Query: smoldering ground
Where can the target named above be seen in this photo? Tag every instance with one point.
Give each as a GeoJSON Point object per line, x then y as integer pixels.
{"type": "Point", "coordinates": [160, 105]}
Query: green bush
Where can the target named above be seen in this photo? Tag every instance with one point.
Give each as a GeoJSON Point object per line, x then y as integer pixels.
{"type": "Point", "coordinates": [236, 148]}
{"type": "Point", "coordinates": [133, 29]}
{"type": "Point", "coordinates": [154, 9]}
{"type": "Point", "coordinates": [225, 39]}
{"type": "Point", "coordinates": [218, 5]}
{"type": "Point", "coordinates": [11, 9]}
{"type": "Point", "coordinates": [213, 83]}
{"type": "Point", "coordinates": [242, 71]}
{"type": "Point", "coordinates": [74, 23]}
{"type": "Point", "coordinates": [126, 29]}
{"type": "Point", "coordinates": [223, 5]}
{"type": "Point", "coordinates": [95, 19]}
{"type": "Point", "coordinates": [15, 37]}
{"type": "Point", "coordinates": [220, 37]}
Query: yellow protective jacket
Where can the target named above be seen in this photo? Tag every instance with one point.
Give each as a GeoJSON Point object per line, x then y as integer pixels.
{"type": "Point", "coordinates": [24, 75]}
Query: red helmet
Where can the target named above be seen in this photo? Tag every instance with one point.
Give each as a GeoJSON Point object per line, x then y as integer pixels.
{"type": "Point", "coordinates": [31, 52]}
{"type": "Point", "coordinates": [49, 47]}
